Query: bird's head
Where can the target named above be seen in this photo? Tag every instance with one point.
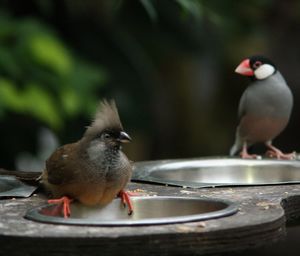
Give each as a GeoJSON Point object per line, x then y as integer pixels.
{"type": "Point", "coordinates": [256, 67]}
{"type": "Point", "coordinates": [112, 138]}
{"type": "Point", "coordinates": [106, 130]}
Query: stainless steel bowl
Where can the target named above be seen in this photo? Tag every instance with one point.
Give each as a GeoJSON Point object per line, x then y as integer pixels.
{"type": "Point", "coordinates": [147, 211]}
{"type": "Point", "coordinates": [12, 187]}
{"type": "Point", "coordinates": [198, 173]}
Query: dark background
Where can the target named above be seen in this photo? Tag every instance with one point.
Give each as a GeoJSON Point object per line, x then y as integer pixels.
{"type": "Point", "coordinates": [168, 64]}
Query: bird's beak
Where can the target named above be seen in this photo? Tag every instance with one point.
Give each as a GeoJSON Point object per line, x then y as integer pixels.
{"type": "Point", "coordinates": [124, 137]}
{"type": "Point", "coordinates": [244, 68]}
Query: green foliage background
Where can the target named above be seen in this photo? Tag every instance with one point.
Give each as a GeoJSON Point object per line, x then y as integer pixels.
{"type": "Point", "coordinates": [168, 64]}
{"type": "Point", "coordinates": [41, 77]}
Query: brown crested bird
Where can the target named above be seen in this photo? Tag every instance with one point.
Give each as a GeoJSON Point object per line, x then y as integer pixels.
{"type": "Point", "coordinates": [92, 170]}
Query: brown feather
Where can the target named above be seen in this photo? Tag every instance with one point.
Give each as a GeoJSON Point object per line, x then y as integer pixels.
{"type": "Point", "coordinates": [107, 117]}
{"type": "Point", "coordinates": [70, 170]}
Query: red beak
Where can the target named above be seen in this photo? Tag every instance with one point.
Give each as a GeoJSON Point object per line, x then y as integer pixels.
{"type": "Point", "coordinates": [244, 68]}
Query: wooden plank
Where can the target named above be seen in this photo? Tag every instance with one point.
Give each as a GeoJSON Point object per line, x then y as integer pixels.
{"type": "Point", "coordinates": [260, 220]}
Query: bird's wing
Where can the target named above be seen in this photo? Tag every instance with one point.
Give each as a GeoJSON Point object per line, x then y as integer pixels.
{"type": "Point", "coordinates": [243, 106]}
{"type": "Point", "coordinates": [242, 111]}
{"type": "Point", "coordinates": [60, 167]}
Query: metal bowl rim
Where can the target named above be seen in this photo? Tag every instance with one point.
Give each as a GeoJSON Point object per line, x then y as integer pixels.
{"type": "Point", "coordinates": [155, 165]}
{"type": "Point", "coordinates": [230, 208]}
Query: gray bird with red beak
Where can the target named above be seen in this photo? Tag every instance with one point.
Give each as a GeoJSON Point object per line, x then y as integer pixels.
{"type": "Point", "coordinates": [264, 109]}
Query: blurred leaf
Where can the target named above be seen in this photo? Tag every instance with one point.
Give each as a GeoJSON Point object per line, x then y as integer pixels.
{"type": "Point", "coordinates": [84, 79]}
{"type": "Point", "coordinates": [70, 101]}
{"type": "Point", "coordinates": [191, 6]}
{"type": "Point", "coordinates": [41, 105]}
{"type": "Point", "coordinates": [49, 52]}
{"type": "Point", "coordinates": [31, 100]}
{"type": "Point", "coordinates": [148, 5]}
{"type": "Point", "coordinates": [6, 27]}
{"type": "Point", "coordinates": [40, 75]}
{"type": "Point", "coordinates": [8, 63]}
{"type": "Point", "coordinates": [9, 95]}
{"type": "Point", "coordinates": [86, 76]}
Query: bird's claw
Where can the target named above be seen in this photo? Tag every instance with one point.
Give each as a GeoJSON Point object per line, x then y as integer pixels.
{"type": "Point", "coordinates": [278, 154]}
{"type": "Point", "coordinates": [125, 198]}
{"type": "Point", "coordinates": [245, 155]}
{"type": "Point", "coordinates": [65, 203]}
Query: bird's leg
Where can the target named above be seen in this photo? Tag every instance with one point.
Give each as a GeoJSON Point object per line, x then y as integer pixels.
{"type": "Point", "coordinates": [274, 152]}
{"type": "Point", "coordinates": [125, 197]}
{"type": "Point", "coordinates": [244, 153]}
{"type": "Point", "coordinates": [65, 203]}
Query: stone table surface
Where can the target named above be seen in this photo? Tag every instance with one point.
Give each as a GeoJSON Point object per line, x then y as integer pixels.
{"type": "Point", "coordinates": [261, 219]}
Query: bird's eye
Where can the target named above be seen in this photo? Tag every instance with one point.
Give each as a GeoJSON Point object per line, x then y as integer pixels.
{"type": "Point", "coordinates": [105, 135]}
{"type": "Point", "coordinates": [257, 64]}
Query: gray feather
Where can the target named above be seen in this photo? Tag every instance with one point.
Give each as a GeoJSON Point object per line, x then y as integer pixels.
{"type": "Point", "coordinates": [269, 98]}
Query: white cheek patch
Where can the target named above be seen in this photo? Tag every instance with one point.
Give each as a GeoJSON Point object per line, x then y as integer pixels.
{"type": "Point", "coordinates": [95, 150]}
{"type": "Point", "coordinates": [264, 71]}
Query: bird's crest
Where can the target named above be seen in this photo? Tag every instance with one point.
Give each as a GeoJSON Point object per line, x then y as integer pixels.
{"type": "Point", "coordinates": [106, 117]}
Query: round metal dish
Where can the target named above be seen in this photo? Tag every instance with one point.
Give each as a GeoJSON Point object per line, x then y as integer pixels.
{"type": "Point", "coordinates": [198, 173]}
{"type": "Point", "coordinates": [147, 211]}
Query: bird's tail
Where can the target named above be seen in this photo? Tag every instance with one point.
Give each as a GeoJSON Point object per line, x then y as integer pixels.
{"type": "Point", "coordinates": [233, 150]}
{"type": "Point", "coordinates": [237, 144]}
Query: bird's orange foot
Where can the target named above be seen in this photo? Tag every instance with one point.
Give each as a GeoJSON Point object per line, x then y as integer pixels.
{"type": "Point", "coordinates": [276, 153]}
{"type": "Point", "coordinates": [125, 197]}
{"type": "Point", "coordinates": [63, 202]}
